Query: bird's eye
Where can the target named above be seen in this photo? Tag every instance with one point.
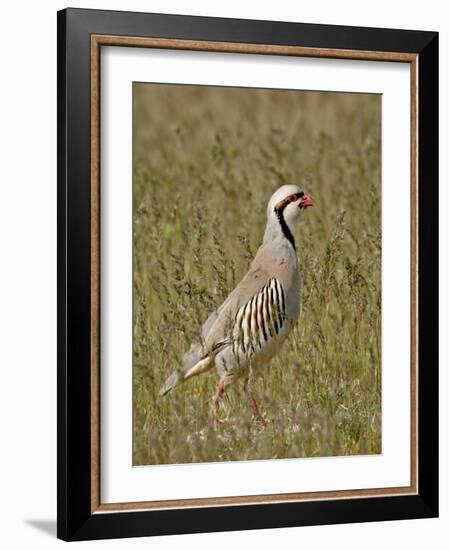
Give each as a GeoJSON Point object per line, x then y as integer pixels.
{"type": "Point", "coordinates": [292, 198]}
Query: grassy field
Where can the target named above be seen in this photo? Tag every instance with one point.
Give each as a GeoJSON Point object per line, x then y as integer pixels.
{"type": "Point", "coordinates": [206, 161]}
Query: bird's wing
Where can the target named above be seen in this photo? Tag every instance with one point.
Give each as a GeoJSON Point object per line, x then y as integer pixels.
{"type": "Point", "coordinates": [216, 331]}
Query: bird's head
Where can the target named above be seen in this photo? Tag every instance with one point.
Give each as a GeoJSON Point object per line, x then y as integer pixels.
{"type": "Point", "coordinates": [284, 211]}
{"type": "Point", "coordinates": [289, 201]}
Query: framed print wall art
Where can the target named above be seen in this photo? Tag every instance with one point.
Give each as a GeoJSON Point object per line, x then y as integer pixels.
{"type": "Point", "coordinates": [247, 254]}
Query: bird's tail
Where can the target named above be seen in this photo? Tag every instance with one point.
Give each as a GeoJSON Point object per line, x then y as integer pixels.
{"type": "Point", "coordinates": [193, 364]}
{"type": "Point", "coordinates": [171, 382]}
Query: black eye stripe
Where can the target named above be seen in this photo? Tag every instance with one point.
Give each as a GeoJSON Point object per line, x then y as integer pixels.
{"type": "Point", "coordinates": [282, 205]}
{"type": "Point", "coordinates": [279, 208]}
{"type": "Point", "coordinates": [294, 197]}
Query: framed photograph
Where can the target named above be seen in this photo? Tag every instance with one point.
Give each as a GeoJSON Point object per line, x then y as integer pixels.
{"type": "Point", "coordinates": [247, 256]}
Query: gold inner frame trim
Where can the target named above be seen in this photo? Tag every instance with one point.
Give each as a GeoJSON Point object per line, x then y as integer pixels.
{"type": "Point", "coordinates": [97, 41]}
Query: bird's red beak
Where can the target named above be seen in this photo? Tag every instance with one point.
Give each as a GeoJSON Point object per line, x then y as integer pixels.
{"type": "Point", "coordinates": [306, 201]}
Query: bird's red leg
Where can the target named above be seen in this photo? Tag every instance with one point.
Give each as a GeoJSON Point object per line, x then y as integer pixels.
{"type": "Point", "coordinates": [248, 387]}
{"type": "Point", "coordinates": [254, 405]}
{"type": "Point", "coordinates": [216, 400]}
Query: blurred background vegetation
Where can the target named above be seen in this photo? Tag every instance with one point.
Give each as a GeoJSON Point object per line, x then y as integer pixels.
{"type": "Point", "coordinates": [206, 161]}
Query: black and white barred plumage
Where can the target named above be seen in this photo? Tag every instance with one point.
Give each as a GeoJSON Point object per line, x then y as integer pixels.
{"type": "Point", "coordinates": [261, 319]}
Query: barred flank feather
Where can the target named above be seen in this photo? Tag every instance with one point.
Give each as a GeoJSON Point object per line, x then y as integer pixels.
{"type": "Point", "coordinates": [261, 318]}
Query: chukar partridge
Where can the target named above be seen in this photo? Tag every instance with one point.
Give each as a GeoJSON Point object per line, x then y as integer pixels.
{"type": "Point", "coordinates": [249, 328]}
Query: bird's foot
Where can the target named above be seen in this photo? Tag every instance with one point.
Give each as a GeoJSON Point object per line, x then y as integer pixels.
{"type": "Point", "coordinates": [261, 422]}
{"type": "Point", "coordinates": [217, 422]}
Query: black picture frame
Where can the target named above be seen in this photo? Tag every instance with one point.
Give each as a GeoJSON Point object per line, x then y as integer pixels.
{"type": "Point", "coordinates": [75, 518]}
